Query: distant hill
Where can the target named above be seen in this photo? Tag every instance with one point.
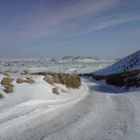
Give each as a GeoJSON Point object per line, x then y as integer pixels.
{"type": "Point", "coordinates": [78, 59]}
{"type": "Point", "coordinates": [129, 63]}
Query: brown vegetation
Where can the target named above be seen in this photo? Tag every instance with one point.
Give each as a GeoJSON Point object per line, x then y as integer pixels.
{"type": "Point", "coordinates": [57, 90]}
{"type": "Point", "coordinates": [70, 80]}
{"type": "Point", "coordinates": [7, 83]}
{"type": "Point", "coordinates": [20, 80]}
{"type": "Point", "coordinates": [6, 80]}
{"type": "Point", "coordinates": [49, 79]}
{"type": "Point", "coordinates": [124, 79]}
{"type": "Point", "coordinates": [30, 80]}
{"type": "Point", "coordinates": [27, 80]}
{"type": "Point", "coordinates": [1, 96]}
{"type": "Point", "coordinates": [9, 88]}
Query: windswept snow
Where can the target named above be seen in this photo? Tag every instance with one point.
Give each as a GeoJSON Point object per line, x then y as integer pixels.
{"type": "Point", "coordinates": [40, 90]}
{"type": "Point", "coordinates": [30, 119]}
{"type": "Point", "coordinates": [96, 115]}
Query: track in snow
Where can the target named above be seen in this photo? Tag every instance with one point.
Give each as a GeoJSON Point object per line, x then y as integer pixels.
{"type": "Point", "coordinates": [98, 116]}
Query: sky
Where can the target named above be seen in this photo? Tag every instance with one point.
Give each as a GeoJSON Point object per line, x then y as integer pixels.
{"type": "Point", "coordinates": [55, 28]}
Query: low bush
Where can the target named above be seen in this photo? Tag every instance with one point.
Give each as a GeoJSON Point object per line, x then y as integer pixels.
{"type": "Point", "coordinates": [132, 82]}
{"type": "Point", "coordinates": [116, 80]}
{"type": "Point", "coordinates": [124, 79]}
{"type": "Point", "coordinates": [1, 96]}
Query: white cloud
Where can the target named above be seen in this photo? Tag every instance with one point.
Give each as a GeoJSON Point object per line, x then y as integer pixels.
{"type": "Point", "coordinates": [107, 22]}
{"type": "Point", "coordinates": [73, 20]}
{"type": "Point", "coordinates": [43, 24]}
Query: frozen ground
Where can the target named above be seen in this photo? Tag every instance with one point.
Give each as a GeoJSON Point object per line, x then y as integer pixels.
{"type": "Point", "coordinates": [97, 114]}
{"type": "Point", "coordinates": [93, 112]}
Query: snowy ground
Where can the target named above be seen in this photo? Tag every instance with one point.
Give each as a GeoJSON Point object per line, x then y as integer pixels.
{"type": "Point", "coordinates": [67, 64]}
{"type": "Point", "coordinates": [93, 112]}
{"type": "Point", "coordinates": [28, 119]}
{"type": "Point", "coordinates": [97, 113]}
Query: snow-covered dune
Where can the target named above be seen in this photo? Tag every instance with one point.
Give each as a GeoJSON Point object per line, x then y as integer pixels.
{"type": "Point", "coordinates": [40, 90]}
{"type": "Point", "coordinates": [19, 119]}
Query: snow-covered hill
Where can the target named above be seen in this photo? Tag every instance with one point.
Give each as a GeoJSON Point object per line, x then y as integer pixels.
{"type": "Point", "coordinates": [78, 59]}
{"type": "Point", "coordinates": [131, 62]}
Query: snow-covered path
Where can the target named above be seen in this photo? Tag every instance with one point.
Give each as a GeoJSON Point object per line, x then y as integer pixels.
{"type": "Point", "coordinates": [98, 116]}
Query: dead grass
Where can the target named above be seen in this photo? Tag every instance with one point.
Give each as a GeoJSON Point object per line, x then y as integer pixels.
{"type": "Point", "coordinates": [9, 88]}
{"type": "Point", "coordinates": [49, 79]}
{"type": "Point", "coordinates": [56, 78]}
{"type": "Point", "coordinates": [20, 80]}
{"type": "Point", "coordinates": [7, 83]}
{"type": "Point", "coordinates": [30, 80]}
{"type": "Point", "coordinates": [57, 90]}
{"type": "Point", "coordinates": [6, 80]}
{"type": "Point", "coordinates": [70, 80]}
{"type": "Point", "coordinates": [27, 80]}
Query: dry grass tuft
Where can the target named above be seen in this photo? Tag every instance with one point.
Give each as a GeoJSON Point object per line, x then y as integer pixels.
{"type": "Point", "coordinates": [30, 80]}
{"type": "Point", "coordinates": [70, 80]}
{"type": "Point", "coordinates": [9, 88]}
{"type": "Point", "coordinates": [57, 90]}
{"type": "Point", "coordinates": [56, 78]}
{"type": "Point", "coordinates": [27, 80]}
{"type": "Point", "coordinates": [49, 79]}
{"type": "Point", "coordinates": [20, 80]}
{"type": "Point", "coordinates": [6, 80]}
{"type": "Point", "coordinates": [7, 83]}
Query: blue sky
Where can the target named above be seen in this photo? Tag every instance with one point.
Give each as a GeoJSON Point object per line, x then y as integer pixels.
{"type": "Point", "coordinates": [54, 28]}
